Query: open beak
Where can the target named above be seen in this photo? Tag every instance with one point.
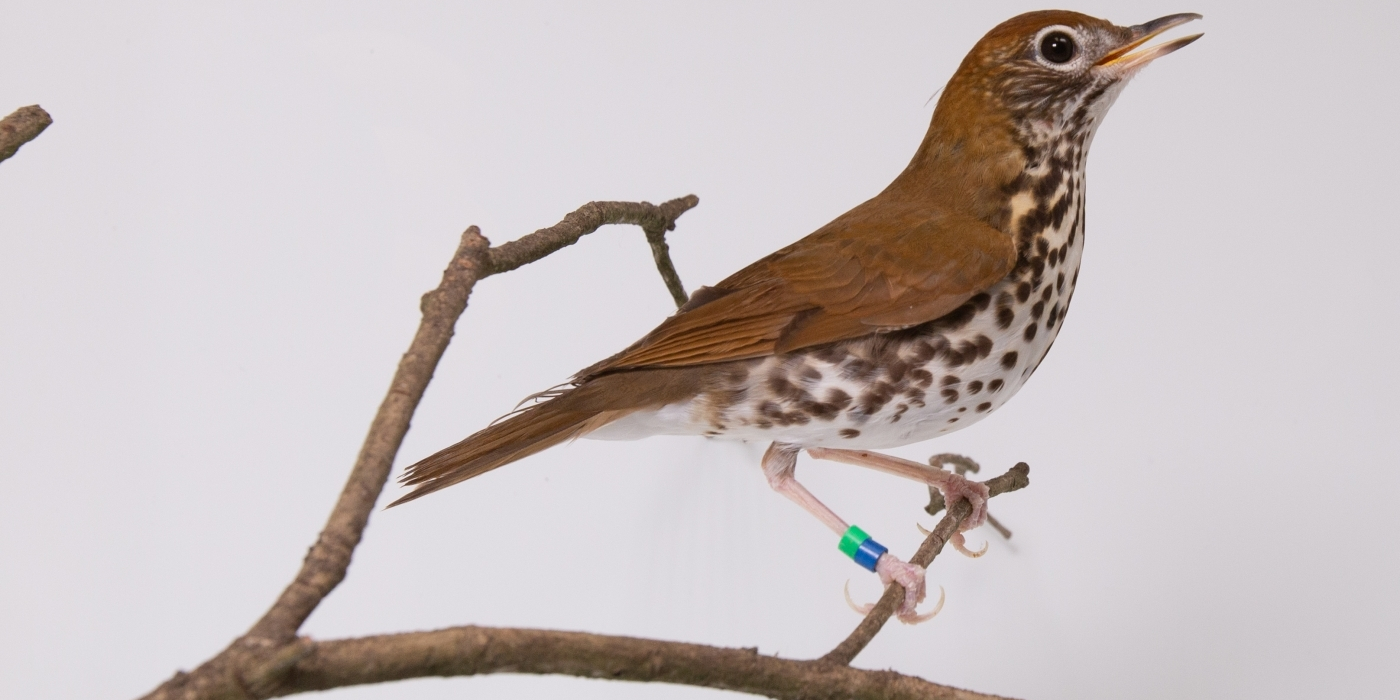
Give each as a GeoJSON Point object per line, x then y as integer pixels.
{"type": "Point", "coordinates": [1126, 58]}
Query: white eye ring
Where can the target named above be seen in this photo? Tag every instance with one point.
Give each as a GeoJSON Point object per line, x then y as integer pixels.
{"type": "Point", "coordinates": [1073, 61]}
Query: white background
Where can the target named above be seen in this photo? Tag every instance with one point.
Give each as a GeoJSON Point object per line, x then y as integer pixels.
{"type": "Point", "coordinates": [210, 264]}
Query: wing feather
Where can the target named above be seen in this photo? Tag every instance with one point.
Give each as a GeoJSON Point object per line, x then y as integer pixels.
{"type": "Point", "coordinates": [861, 274]}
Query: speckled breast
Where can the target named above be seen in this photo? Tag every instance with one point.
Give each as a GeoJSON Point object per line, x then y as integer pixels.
{"type": "Point", "coordinates": [907, 386]}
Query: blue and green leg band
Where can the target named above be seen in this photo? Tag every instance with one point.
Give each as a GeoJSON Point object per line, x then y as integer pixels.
{"type": "Point", "coordinates": [861, 548]}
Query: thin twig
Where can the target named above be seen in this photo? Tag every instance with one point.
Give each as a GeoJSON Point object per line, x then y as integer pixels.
{"type": "Point", "coordinates": [654, 219]}
{"type": "Point", "coordinates": [661, 254]}
{"type": "Point", "coordinates": [22, 126]}
{"type": "Point", "coordinates": [1018, 477]}
{"type": "Point", "coordinates": [467, 651]}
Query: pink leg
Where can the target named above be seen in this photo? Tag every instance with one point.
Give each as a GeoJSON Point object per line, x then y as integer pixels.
{"type": "Point", "coordinates": [779, 465]}
{"type": "Point", "coordinates": [953, 486]}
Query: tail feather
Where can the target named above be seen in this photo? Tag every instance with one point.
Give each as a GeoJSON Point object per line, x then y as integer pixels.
{"type": "Point", "coordinates": [564, 415]}
{"type": "Point", "coordinates": [532, 430]}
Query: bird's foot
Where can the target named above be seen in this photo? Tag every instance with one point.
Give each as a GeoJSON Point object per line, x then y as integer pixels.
{"type": "Point", "coordinates": [911, 579]}
{"type": "Point", "coordinates": [956, 486]}
{"type": "Point", "coordinates": [959, 543]}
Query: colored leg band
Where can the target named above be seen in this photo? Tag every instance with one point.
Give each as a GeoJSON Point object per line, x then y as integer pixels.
{"type": "Point", "coordinates": [861, 548]}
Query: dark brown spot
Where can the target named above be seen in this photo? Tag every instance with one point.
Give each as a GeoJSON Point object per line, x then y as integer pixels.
{"type": "Point", "coordinates": [974, 387]}
{"type": "Point", "coordinates": [896, 369]}
{"type": "Point", "coordinates": [1054, 315]}
{"type": "Point", "coordinates": [981, 301]}
{"type": "Point", "coordinates": [779, 386]}
{"type": "Point", "coordinates": [949, 380]}
{"type": "Point", "coordinates": [1009, 359]}
{"type": "Point", "coordinates": [994, 386]}
{"type": "Point", "coordinates": [1030, 332]}
{"type": "Point", "coordinates": [810, 373]}
{"type": "Point", "coordinates": [1038, 309]}
{"type": "Point", "coordinates": [984, 407]}
{"type": "Point", "coordinates": [921, 377]}
{"type": "Point", "coordinates": [1060, 282]}
{"type": "Point", "coordinates": [1023, 291]}
{"type": "Point", "coordinates": [1045, 295]}
{"type": "Point", "coordinates": [1005, 317]}
{"type": "Point", "coordinates": [983, 344]}
{"type": "Point", "coordinates": [923, 352]}
{"type": "Point", "coordinates": [874, 398]}
{"type": "Point", "coordinates": [949, 395]}
{"type": "Point", "coordinates": [849, 433]}
{"type": "Point", "coordinates": [954, 419]}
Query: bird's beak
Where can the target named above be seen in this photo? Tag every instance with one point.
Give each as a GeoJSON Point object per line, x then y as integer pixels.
{"type": "Point", "coordinates": [1124, 59]}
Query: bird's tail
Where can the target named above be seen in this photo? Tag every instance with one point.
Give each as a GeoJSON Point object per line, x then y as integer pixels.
{"type": "Point", "coordinates": [569, 414]}
{"type": "Point", "coordinates": [524, 433]}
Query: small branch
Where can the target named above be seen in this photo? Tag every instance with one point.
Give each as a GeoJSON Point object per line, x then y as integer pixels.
{"type": "Point", "coordinates": [654, 219]}
{"type": "Point", "coordinates": [1018, 477]}
{"type": "Point", "coordinates": [468, 651]}
{"type": "Point", "coordinates": [661, 254]}
{"type": "Point", "coordinates": [22, 126]}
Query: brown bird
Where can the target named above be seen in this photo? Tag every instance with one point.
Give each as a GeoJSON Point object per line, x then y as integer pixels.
{"type": "Point", "coordinates": [914, 314]}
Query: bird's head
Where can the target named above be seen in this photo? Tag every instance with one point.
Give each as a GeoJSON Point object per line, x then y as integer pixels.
{"type": "Point", "coordinates": [1035, 80]}
{"type": "Point", "coordinates": [1054, 69]}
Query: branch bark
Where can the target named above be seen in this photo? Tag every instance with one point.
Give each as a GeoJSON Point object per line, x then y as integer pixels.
{"type": "Point", "coordinates": [655, 221]}
{"type": "Point", "coordinates": [22, 126]}
{"type": "Point", "coordinates": [467, 651]}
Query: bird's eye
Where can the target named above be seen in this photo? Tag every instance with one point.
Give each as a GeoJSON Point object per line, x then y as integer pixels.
{"type": "Point", "coordinates": [1057, 47]}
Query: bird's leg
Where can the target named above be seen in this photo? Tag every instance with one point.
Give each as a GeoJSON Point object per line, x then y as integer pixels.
{"type": "Point", "coordinates": [779, 465]}
{"type": "Point", "coordinates": [953, 486]}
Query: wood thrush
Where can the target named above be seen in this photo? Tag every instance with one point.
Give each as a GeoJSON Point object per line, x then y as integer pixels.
{"type": "Point", "coordinates": [914, 314]}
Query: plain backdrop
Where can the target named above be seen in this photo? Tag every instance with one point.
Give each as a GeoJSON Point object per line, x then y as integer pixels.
{"type": "Point", "coordinates": [211, 262]}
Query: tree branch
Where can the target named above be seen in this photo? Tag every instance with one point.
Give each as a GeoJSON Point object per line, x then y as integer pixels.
{"type": "Point", "coordinates": [1018, 477]}
{"type": "Point", "coordinates": [256, 662]}
{"type": "Point", "coordinates": [22, 126]}
{"type": "Point", "coordinates": [655, 221]}
{"type": "Point", "coordinates": [467, 651]}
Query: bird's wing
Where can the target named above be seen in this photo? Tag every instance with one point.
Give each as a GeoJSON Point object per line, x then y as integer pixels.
{"type": "Point", "coordinates": [856, 276]}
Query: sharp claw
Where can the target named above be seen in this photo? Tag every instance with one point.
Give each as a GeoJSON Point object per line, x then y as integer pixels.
{"type": "Point", "coordinates": [921, 529]}
{"type": "Point", "coordinates": [916, 619]}
{"type": "Point", "coordinates": [861, 609]}
{"type": "Point", "coordinates": [960, 543]}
